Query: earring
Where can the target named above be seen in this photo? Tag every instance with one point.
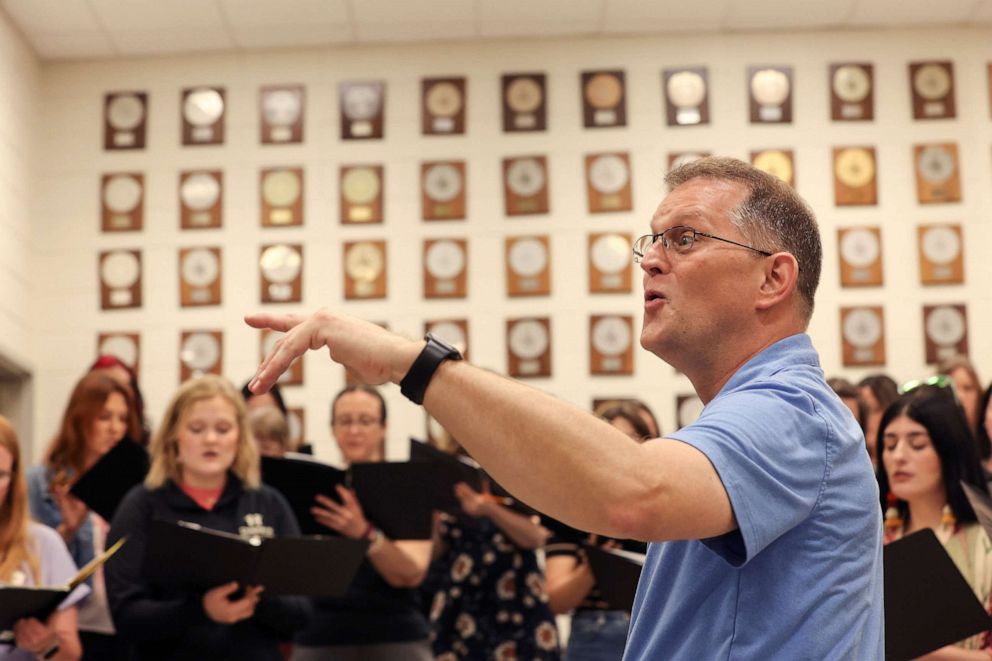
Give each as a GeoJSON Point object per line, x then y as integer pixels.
{"type": "Point", "coordinates": [947, 518]}
{"type": "Point", "coordinates": [893, 519]}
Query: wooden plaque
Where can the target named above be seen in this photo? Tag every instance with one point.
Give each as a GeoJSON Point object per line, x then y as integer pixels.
{"type": "Point", "coordinates": [776, 162]}
{"type": "Point", "coordinates": [611, 344]}
{"type": "Point", "coordinates": [442, 190]}
{"type": "Point", "coordinates": [364, 269]}
{"type": "Point", "coordinates": [941, 250]}
{"type": "Point", "coordinates": [608, 185]}
{"type": "Point", "coordinates": [362, 109]}
{"type": "Point", "coordinates": [604, 99]}
{"type": "Point", "coordinates": [862, 332]}
{"type": "Point", "coordinates": [199, 276]}
{"type": "Point", "coordinates": [687, 409]}
{"type": "Point", "coordinates": [361, 189]}
{"type": "Point", "coordinates": [677, 159]}
{"type": "Point", "coordinates": [945, 331]}
{"type": "Point", "coordinates": [770, 94]}
{"type": "Point", "coordinates": [860, 253]}
{"type": "Point", "coordinates": [528, 346]}
{"type": "Point", "coordinates": [125, 120]}
{"type": "Point", "coordinates": [281, 273]}
{"type": "Point", "coordinates": [201, 199]}
{"type": "Point", "coordinates": [442, 106]}
{"type": "Point", "coordinates": [855, 176]}
{"type": "Point", "coordinates": [525, 185]}
{"type": "Point", "coordinates": [296, 419]}
{"type": "Point", "coordinates": [292, 376]}
{"type": "Point", "coordinates": [452, 331]}
{"type": "Point", "coordinates": [281, 192]}
{"type": "Point", "coordinates": [122, 202]}
{"type": "Point", "coordinates": [687, 96]}
{"type": "Point", "coordinates": [124, 345]}
{"type": "Point", "coordinates": [932, 87]}
{"type": "Point", "coordinates": [280, 111]}
{"type": "Point", "coordinates": [202, 110]}
{"type": "Point", "coordinates": [445, 268]}
{"type": "Point", "coordinates": [938, 177]}
{"type": "Point", "coordinates": [528, 265]}
{"type": "Point", "coordinates": [120, 279]}
{"type": "Point", "coordinates": [852, 91]}
{"type": "Point", "coordinates": [200, 352]}
{"type": "Point", "coordinates": [610, 260]}
{"type": "Point", "coordinates": [524, 102]}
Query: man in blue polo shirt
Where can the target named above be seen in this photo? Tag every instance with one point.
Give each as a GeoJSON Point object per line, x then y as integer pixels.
{"type": "Point", "coordinates": [764, 511]}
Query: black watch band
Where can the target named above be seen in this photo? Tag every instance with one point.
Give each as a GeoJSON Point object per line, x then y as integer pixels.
{"type": "Point", "coordinates": [414, 384]}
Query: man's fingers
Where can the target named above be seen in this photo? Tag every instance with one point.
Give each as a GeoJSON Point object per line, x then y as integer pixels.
{"type": "Point", "coordinates": [278, 322]}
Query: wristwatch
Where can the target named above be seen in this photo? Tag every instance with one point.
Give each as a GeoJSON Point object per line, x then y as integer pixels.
{"type": "Point", "coordinates": [414, 384]}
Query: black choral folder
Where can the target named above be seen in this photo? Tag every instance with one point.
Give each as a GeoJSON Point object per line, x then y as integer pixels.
{"type": "Point", "coordinates": [617, 573]}
{"type": "Point", "coordinates": [449, 470]}
{"type": "Point", "coordinates": [395, 496]}
{"type": "Point", "coordinates": [928, 604]}
{"type": "Point", "coordinates": [195, 557]}
{"type": "Point", "coordinates": [106, 483]}
{"type": "Point", "coordinates": [19, 602]}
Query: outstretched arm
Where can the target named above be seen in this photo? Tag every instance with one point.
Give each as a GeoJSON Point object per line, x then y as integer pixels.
{"type": "Point", "coordinates": [551, 455]}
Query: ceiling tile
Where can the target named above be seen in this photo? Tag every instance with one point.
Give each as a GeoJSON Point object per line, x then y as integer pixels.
{"type": "Point", "coordinates": [651, 15]}
{"type": "Point", "coordinates": [263, 13]}
{"type": "Point", "coordinates": [407, 31]}
{"type": "Point", "coordinates": [158, 15]}
{"type": "Point", "coordinates": [771, 14]}
{"type": "Point", "coordinates": [292, 35]}
{"type": "Point", "coordinates": [909, 12]}
{"type": "Point", "coordinates": [519, 28]}
{"type": "Point", "coordinates": [421, 11]}
{"type": "Point", "coordinates": [548, 13]}
{"type": "Point", "coordinates": [982, 12]}
{"type": "Point", "coordinates": [51, 15]}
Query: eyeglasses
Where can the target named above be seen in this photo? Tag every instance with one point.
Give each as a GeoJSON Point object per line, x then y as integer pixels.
{"type": "Point", "coordinates": [939, 381]}
{"type": "Point", "coordinates": [680, 239]}
{"type": "Point", "coordinates": [364, 422]}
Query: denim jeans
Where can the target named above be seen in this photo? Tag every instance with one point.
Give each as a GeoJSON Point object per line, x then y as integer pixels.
{"type": "Point", "coordinates": [597, 635]}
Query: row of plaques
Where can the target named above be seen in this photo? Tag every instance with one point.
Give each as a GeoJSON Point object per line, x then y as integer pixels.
{"type": "Point", "coordinates": [940, 248]}
{"type": "Point", "coordinates": [445, 270]}
{"type": "Point", "coordinates": [525, 103]}
{"type": "Point", "coordinates": [945, 333]}
{"type": "Point", "coordinates": [525, 187]}
{"type": "Point", "coordinates": [443, 193]}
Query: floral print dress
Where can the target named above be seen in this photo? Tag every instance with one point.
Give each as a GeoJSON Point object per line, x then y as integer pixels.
{"type": "Point", "coordinates": [490, 600]}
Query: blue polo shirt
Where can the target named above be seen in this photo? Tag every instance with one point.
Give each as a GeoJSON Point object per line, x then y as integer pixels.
{"type": "Point", "coordinates": [801, 578]}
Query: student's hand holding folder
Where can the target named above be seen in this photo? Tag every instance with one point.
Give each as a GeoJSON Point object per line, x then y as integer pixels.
{"type": "Point", "coordinates": [222, 608]}
{"type": "Point", "coordinates": [346, 517]}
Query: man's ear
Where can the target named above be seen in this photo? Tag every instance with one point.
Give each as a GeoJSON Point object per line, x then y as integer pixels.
{"type": "Point", "coordinates": [781, 271]}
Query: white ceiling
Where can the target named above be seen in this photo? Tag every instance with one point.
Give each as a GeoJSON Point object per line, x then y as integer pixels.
{"type": "Point", "coordinates": [83, 29]}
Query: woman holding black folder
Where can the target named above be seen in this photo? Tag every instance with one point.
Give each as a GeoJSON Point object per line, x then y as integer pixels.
{"type": "Point", "coordinates": [599, 630]}
{"type": "Point", "coordinates": [926, 452]}
{"type": "Point", "coordinates": [100, 413]}
{"type": "Point", "coordinates": [33, 555]}
{"type": "Point", "coordinates": [204, 470]}
{"type": "Point", "coordinates": [379, 618]}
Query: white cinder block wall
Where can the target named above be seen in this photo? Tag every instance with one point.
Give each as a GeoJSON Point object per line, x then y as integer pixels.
{"type": "Point", "coordinates": [62, 313]}
{"type": "Point", "coordinates": [20, 79]}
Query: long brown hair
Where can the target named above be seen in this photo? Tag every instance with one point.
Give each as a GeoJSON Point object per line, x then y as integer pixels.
{"type": "Point", "coordinates": [164, 448]}
{"type": "Point", "coordinates": [14, 548]}
{"type": "Point", "coordinates": [67, 450]}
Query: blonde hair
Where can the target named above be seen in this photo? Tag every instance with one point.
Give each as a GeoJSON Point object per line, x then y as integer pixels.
{"type": "Point", "coordinates": [268, 423]}
{"type": "Point", "coordinates": [164, 446]}
{"type": "Point", "coordinates": [14, 542]}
